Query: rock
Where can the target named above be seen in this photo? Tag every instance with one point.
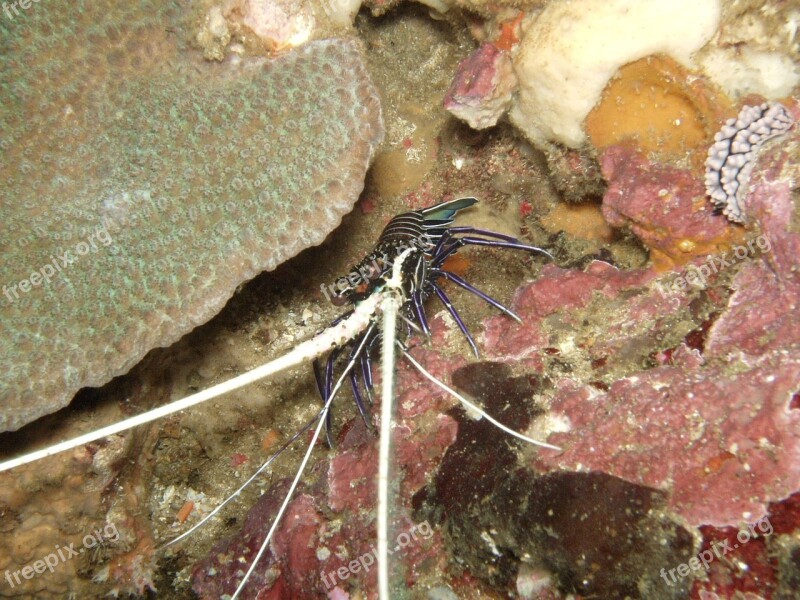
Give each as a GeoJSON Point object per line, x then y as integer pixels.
{"type": "Point", "coordinates": [482, 88]}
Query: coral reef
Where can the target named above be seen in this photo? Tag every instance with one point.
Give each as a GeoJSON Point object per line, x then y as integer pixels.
{"type": "Point", "coordinates": [624, 70]}
{"type": "Point", "coordinates": [675, 404]}
{"type": "Point", "coordinates": [584, 221]}
{"type": "Point", "coordinates": [142, 186]}
{"type": "Point", "coordinates": [679, 225]}
{"type": "Point", "coordinates": [755, 51]}
{"type": "Point", "coordinates": [280, 24]}
{"type": "Point", "coordinates": [336, 532]}
{"type": "Point", "coordinates": [746, 461]}
{"type": "Point", "coordinates": [736, 431]}
{"type": "Point", "coordinates": [599, 535]}
{"type": "Point", "coordinates": [88, 503]}
{"type": "Point", "coordinates": [237, 27]}
{"type": "Point", "coordinates": [670, 385]}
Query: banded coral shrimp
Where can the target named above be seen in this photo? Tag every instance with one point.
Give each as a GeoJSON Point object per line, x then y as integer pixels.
{"type": "Point", "coordinates": [410, 272]}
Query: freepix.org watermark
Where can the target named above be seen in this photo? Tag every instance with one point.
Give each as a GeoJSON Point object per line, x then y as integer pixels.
{"type": "Point", "coordinates": [366, 273]}
{"type": "Point", "coordinates": [62, 554]}
{"type": "Point", "coordinates": [365, 561]}
{"type": "Point", "coordinates": [11, 9]}
{"type": "Point", "coordinates": [697, 275]}
{"type": "Point", "coordinates": [58, 263]}
{"type": "Point", "coordinates": [717, 550]}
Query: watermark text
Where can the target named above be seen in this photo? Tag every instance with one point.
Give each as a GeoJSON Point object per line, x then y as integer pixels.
{"type": "Point", "coordinates": [11, 9]}
{"type": "Point", "coordinates": [365, 561]}
{"type": "Point", "coordinates": [62, 554]}
{"type": "Point", "coordinates": [698, 275]}
{"type": "Point", "coordinates": [368, 271]}
{"type": "Point", "coordinates": [57, 263]}
{"type": "Point", "coordinates": [716, 551]}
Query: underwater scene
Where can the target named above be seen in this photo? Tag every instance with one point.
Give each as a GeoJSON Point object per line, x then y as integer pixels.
{"type": "Point", "coordinates": [435, 300]}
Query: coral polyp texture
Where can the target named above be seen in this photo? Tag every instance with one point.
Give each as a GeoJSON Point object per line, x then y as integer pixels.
{"type": "Point", "coordinates": [141, 185]}
{"type": "Point", "coordinates": [735, 150]}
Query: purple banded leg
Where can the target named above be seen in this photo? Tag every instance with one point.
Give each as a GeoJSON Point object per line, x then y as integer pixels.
{"type": "Point", "coordinates": [329, 373]}
{"type": "Point", "coordinates": [444, 251]}
{"type": "Point", "coordinates": [318, 379]}
{"type": "Point", "coordinates": [420, 312]}
{"type": "Point", "coordinates": [448, 235]}
{"type": "Point", "coordinates": [366, 361]}
{"type": "Point", "coordinates": [460, 282]}
{"type": "Point", "coordinates": [340, 318]}
{"type": "Point", "coordinates": [499, 236]}
{"type": "Point", "coordinates": [324, 388]}
{"type": "Point", "coordinates": [328, 388]}
{"type": "Point", "coordinates": [375, 340]}
{"type": "Point", "coordinates": [454, 313]}
{"type": "Point", "coordinates": [366, 374]}
{"type": "Point", "coordinates": [359, 400]}
{"type": "Point", "coordinates": [444, 254]}
{"type": "Point", "coordinates": [354, 375]}
{"type": "Point", "coordinates": [445, 237]}
{"type": "Point", "coordinates": [411, 326]}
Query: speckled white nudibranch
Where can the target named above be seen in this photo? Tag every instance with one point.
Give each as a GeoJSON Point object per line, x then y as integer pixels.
{"type": "Point", "coordinates": [733, 154]}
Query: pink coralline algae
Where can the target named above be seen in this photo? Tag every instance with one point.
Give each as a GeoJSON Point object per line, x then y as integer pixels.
{"type": "Point", "coordinates": [142, 185]}
{"type": "Point", "coordinates": [769, 549]}
{"type": "Point", "coordinates": [773, 283]}
{"type": "Point", "coordinates": [735, 435]}
{"type": "Point", "coordinates": [482, 88]}
{"type": "Point", "coordinates": [585, 532]}
{"type": "Point", "coordinates": [559, 293]}
{"type": "Point", "coordinates": [734, 443]}
{"type": "Point", "coordinates": [293, 543]}
{"type": "Point", "coordinates": [723, 417]}
{"type": "Point", "coordinates": [663, 205]}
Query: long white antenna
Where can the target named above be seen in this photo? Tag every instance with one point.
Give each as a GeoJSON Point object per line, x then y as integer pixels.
{"type": "Point", "coordinates": [389, 299]}
{"type": "Point", "coordinates": [317, 346]}
{"type": "Point", "coordinates": [390, 309]}
{"type": "Point", "coordinates": [250, 480]}
{"type": "Point", "coordinates": [299, 474]}
{"type": "Point", "coordinates": [474, 406]}
{"type": "Point", "coordinates": [391, 306]}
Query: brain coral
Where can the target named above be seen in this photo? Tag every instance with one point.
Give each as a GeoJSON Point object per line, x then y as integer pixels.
{"type": "Point", "coordinates": [141, 185]}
